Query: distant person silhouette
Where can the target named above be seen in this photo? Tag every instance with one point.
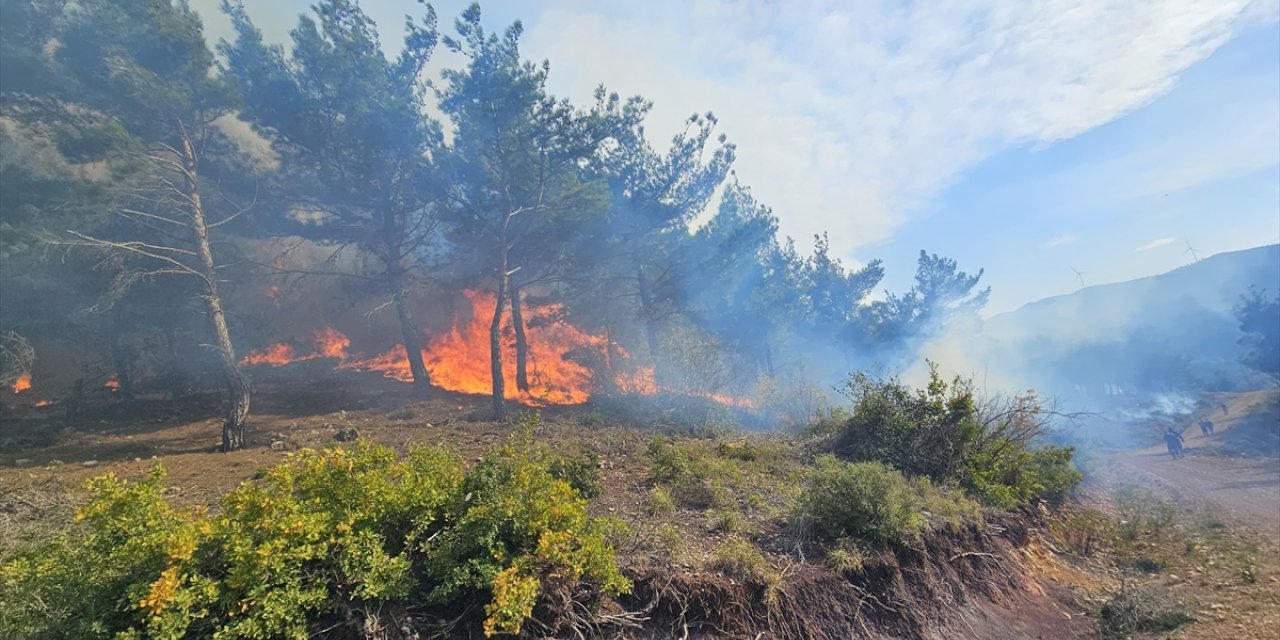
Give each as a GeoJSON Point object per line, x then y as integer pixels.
{"type": "Point", "coordinates": [1224, 408]}
{"type": "Point", "coordinates": [1173, 440]}
{"type": "Point", "coordinates": [1206, 426]}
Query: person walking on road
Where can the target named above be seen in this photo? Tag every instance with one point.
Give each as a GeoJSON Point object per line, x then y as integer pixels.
{"type": "Point", "coordinates": [1174, 441]}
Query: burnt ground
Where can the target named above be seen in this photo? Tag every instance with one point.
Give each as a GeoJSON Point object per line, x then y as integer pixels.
{"type": "Point", "coordinates": [1016, 586]}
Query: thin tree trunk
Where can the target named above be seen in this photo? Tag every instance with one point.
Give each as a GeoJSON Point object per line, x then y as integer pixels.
{"type": "Point", "coordinates": [408, 329]}
{"type": "Point", "coordinates": [177, 383]}
{"type": "Point", "coordinates": [495, 332]}
{"type": "Point", "coordinates": [648, 313]}
{"type": "Point", "coordinates": [768, 358]}
{"type": "Point", "coordinates": [522, 342]}
{"type": "Point", "coordinates": [120, 360]}
{"type": "Point", "coordinates": [237, 405]}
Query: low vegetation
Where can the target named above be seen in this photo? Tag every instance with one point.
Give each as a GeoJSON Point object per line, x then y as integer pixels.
{"type": "Point", "coordinates": [995, 449]}
{"type": "Point", "coordinates": [336, 536]}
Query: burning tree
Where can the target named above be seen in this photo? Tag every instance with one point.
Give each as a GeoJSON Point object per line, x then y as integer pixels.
{"type": "Point", "coordinates": [140, 69]}
{"type": "Point", "coordinates": [354, 142]}
{"type": "Point", "coordinates": [517, 163]}
{"type": "Point", "coordinates": [656, 197]}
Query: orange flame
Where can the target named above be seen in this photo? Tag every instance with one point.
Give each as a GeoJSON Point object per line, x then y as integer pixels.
{"type": "Point", "coordinates": [22, 383]}
{"type": "Point", "coordinates": [458, 360]}
{"type": "Point", "coordinates": [42, 403]}
{"type": "Point", "coordinates": [276, 355]}
{"type": "Point", "coordinates": [112, 383]}
{"type": "Point", "coordinates": [331, 343]}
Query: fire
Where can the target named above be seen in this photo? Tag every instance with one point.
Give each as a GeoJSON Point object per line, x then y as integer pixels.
{"type": "Point", "coordinates": [112, 383]}
{"type": "Point", "coordinates": [42, 403]}
{"type": "Point", "coordinates": [458, 360]}
{"type": "Point", "coordinates": [22, 383]}
{"type": "Point", "coordinates": [331, 343]}
{"type": "Point", "coordinates": [639, 383]}
{"type": "Point", "coordinates": [276, 355]}
{"type": "Point", "coordinates": [328, 343]}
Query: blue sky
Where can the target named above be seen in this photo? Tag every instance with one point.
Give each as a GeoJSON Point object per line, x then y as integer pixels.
{"type": "Point", "coordinates": [1023, 138]}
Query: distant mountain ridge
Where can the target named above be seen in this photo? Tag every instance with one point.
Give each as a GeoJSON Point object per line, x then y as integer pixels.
{"type": "Point", "coordinates": [1169, 332]}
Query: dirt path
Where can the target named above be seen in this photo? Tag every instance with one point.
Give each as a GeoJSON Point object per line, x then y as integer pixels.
{"type": "Point", "coordinates": [1243, 489]}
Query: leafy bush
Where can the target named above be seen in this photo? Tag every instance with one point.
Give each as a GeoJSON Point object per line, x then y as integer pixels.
{"type": "Point", "coordinates": [325, 535]}
{"type": "Point", "coordinates": [944, 433]}
{"type": "Point", "coordinates": [866, 500]}
{"type": "Point", "coordinates": [581, 472]}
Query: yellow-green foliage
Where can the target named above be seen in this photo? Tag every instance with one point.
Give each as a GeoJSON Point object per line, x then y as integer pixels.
{"type": "Point", "coordinates": [875, 502]}
{"type": "Point", "coordinates": [862, 499]}
{"type": "Point", "coordinates": [845, 555]}
{"type": "Point", "coordinates": [739, 558]}
{"type": "Point", "coordinates": [322, 532]}
{"type": "Point", "coordinates": [754, 474]}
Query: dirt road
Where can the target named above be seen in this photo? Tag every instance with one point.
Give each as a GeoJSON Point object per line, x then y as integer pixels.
{"type": "Point", "coordinates": [1243, 489]}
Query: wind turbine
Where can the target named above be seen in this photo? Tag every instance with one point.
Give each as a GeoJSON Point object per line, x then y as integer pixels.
{"type": "Point", "coordinates": [1079, 275]}
{"type": "Point", "coordinates": [1195, 257]}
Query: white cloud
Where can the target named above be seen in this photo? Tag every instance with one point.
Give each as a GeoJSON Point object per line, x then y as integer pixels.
{"type": "Point", "coordinates": [1160, 242]}
{"type": "Point", "coordinates": [850, 117]}
{"type": "Point", "coordinates": [1059, 240]}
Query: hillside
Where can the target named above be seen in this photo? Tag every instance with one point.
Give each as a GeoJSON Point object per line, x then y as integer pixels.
{"type": "Point", "coordinates": [1169, 333]}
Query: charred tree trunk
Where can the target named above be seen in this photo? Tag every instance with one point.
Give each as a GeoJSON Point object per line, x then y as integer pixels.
{"type": "Point", "coordinates": [495, 332]}
{"type": "Point", "coordinates": [649, 315]}
{"type": "Point", "coordinates": [237, 386]}
{"type": "Point", "coordinates": [408, 328]}
{"type": "Point", "coordinates": [177, 383]}
{"type": "Point", "coordinates": [522, 342]}
{"type": "Point", "coordinates": [768, 358]}
{"type": "Point", "coordinates": [120, 360]}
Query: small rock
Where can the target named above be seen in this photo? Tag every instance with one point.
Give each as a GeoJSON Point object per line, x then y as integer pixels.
{"type": "Point", "coordinates": [90, 463]}
{"type": "Point", "coordinates": [279, 445]}
{"type": "Point", "coordinates": [22, 462]}
{"type": "Point", "coordinates": [348, 434]}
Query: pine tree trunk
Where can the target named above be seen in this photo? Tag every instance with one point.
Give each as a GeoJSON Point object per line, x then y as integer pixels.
{"type": "Point", "coordinates": [237, 385]}
{"type": "Point", "coordinates": [177, 378]}
{"type": "Point", "coordinates": [648, 315]}
{"type": "Point", "coordinates": [768, 358]}
{"type": "Point", "coordinates": [120, 360]}
{"type": "Point", "coordinates": [495, 332]}
{"type": "Point", "coordinates": [408, 329]}
{"type": "Point", "coordinates": [522, 343]}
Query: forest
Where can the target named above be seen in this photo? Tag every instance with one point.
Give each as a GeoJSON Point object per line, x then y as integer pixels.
{"type": "Point", "coordinates": [189, 210]}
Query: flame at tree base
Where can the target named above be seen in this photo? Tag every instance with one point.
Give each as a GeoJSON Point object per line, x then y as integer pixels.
{"type": "Point", "coordinates": [458, 360]}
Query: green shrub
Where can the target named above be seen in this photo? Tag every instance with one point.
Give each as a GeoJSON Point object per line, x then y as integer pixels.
{"type": "Point", "coordinates": [752, 473]}
{"type": "Point", "coordinates": [943, 432]}
{"type": "Point", "coordinates": [322, 533]}
{"type": "Point", "coordinates": [738, 558]}
{"type": "Point", "coordinates": [845, 555]}
{"type": "Point", "coordinates": [581, 472]}
{"type": "Point", "coordinates": [87, 581]}
{"type": "Point", "coordinates": [867, 500]}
